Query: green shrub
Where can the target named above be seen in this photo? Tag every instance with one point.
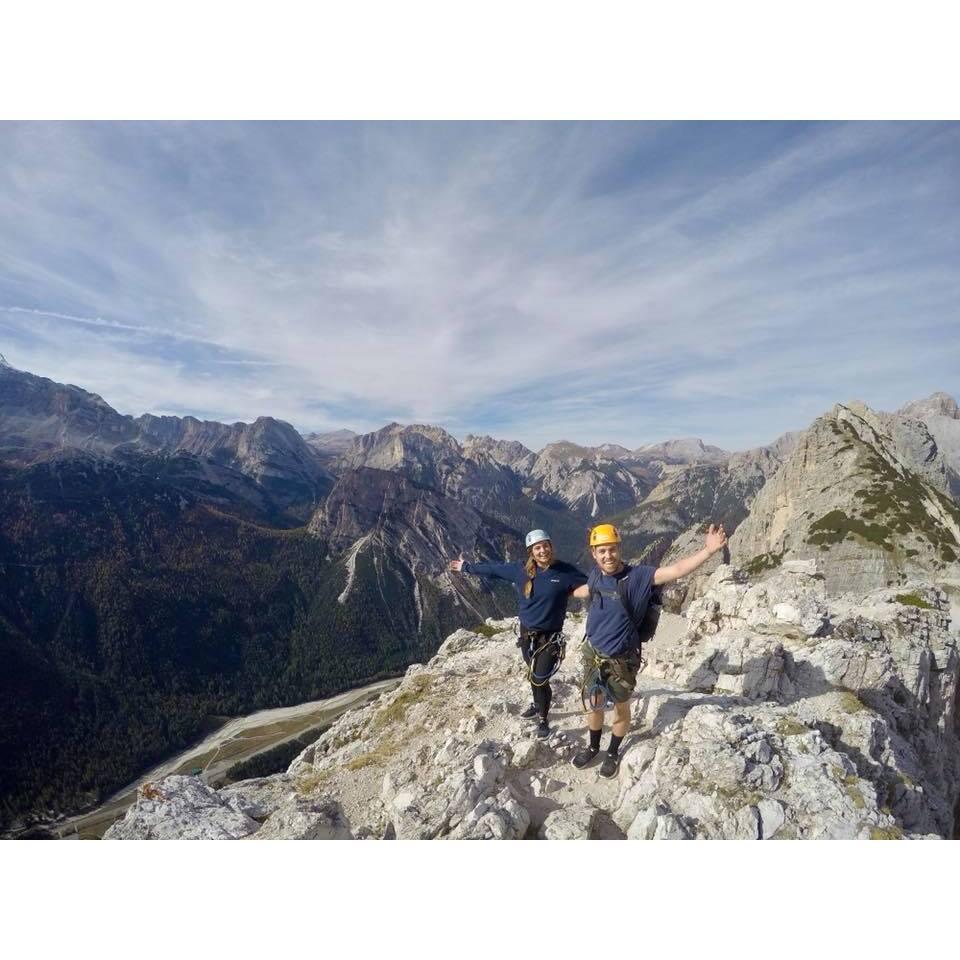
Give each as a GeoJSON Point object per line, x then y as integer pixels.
{"type": "Point", "coordinates": [912, 600]}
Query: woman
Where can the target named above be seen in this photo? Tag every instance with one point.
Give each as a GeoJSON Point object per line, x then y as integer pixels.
{"type": "Point", "coordinates": [543, 584]}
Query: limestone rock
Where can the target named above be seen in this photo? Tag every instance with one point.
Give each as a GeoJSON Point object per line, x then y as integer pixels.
{"type": "Point", "coordinates": [526, 753]}
{"type": "Point", "coordinates": [258, 798]}
{"type": "Point", "coordinates": [569, 823]}
{"type": "Point", "coordinates": [184, 808]}
{"type": "Point", "coordinates": [305, 818]}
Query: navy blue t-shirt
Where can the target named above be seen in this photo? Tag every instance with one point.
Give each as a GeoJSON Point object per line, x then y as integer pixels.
{"type": "Point", "coordinates": [609, 629]}
{"type": "Point", "coordinates": [546, 606]}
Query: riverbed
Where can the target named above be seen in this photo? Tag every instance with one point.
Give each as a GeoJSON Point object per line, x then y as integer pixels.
{"type": "Point", "coordinates": [237, 740]}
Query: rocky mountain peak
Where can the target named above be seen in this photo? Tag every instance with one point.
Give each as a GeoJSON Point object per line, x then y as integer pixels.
{"type": "Point", "coordinates": [563, 451]}
{"type": "Point", "coordinates": [685, 450]}
{"type": "Point", "coordinates": [938, 404]}
{"type": "Point", "coordinates": [585, 482]}
{"type": "Point", "coordinates": [424, 453]}
{"type": "Point", "coordinates": [510, 453]}
{"type": "Point", "coordinates": [864, 493]}
{"type": "Point", "coordinates": [333, 441]}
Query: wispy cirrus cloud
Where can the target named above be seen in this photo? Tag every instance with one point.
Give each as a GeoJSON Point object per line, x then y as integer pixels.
{"type": "Point", "coordinates": [624, 282]}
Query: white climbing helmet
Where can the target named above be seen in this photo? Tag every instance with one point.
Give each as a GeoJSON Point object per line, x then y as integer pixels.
{"type": "Point", "coordinates": [536, 536]}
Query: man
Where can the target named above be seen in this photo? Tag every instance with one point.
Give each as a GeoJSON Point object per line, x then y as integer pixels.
{"type": "Point", "coordinates": [612, 646]}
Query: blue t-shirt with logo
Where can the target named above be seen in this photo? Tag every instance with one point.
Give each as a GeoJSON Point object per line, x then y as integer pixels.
{"type": "Point", "coordinates": [609, 629]}
{"type": "Point", "coordinates": [546, 606]}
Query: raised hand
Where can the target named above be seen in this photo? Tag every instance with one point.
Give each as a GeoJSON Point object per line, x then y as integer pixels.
{"type": "Point", "coordinates": [716, 538]}
{"type": "Point", "coordinates": [456, 565]}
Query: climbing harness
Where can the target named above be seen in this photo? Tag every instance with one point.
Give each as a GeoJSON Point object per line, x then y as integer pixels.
{"type": "Point", "coordinates": [595, 692]}
{"type": "Point", "coordinates": [559, 640]}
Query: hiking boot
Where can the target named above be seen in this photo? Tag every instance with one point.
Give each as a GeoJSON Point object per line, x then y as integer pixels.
{"type": "Point", "coordinates": [543, 729]}
{"type": "Point", "coordinates": [584, 757]}
{"type": "Point", "coordinates": [530, 712]}
{"type": "Point", "coordinates": [610, 766]}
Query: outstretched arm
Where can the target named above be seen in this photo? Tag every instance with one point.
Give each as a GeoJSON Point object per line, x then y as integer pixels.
{"type": "Point", "coordinates": [582, 592]}
{"type": "Point", "coordinates": [495, 571]}
{"type": "Point", "coordinates": [716, 540]}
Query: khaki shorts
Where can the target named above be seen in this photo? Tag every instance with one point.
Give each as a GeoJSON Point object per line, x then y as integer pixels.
{"type": "Point", "coordinates": [618, 673]}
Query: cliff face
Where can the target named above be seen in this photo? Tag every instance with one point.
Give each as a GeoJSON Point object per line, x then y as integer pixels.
{"type": "Point", "coordinates": [773, 711]}
{"type": "Point", "coordinates": [864, 494]}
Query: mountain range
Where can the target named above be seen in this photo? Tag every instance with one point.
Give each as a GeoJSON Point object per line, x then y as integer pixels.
{"type": "Point", "coordinates": [162, 572]}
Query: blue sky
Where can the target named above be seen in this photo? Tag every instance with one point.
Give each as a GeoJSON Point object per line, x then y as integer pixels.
{"type": "Point", "coordinates": [621, 282]}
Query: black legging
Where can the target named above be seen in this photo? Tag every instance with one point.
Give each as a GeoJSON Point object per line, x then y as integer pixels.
{"type": "Point", "coordinates": [531, 641]}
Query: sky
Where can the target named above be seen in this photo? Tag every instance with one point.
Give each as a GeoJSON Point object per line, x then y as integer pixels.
{"type": "Point", "coordinates": [596, 282]}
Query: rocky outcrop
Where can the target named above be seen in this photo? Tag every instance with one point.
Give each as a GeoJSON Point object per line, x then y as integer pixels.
{"type": "Point", "coordinates": [862, 494]}
{"type": "Point", "coordinates": [774, 711]}
{"type": "Point", "coordinates": [181, 808]}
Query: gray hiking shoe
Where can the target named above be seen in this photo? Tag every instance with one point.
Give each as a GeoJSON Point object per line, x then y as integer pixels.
{"type": "Point", "coordinates": [610, 766]}
{"type": "Point", "coordinates": [543, 729]}
{"type": "Point", "coordinates": [530, 712]}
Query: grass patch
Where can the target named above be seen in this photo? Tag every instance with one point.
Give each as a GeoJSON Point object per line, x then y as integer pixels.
{"type": "Point", "coordinates": [886, 833]}
{"type": "Point", "coordinates": [851, 703]}
{"type": "Point", "coordinates": [898, 499]}
{"type": "Point", "coordinates": [374, 758]}
{"type": "Point", "coordinates": [837, 526]}
{"type": "Point", "coordinates": [396, 711]}
{"type": "Point", "coordinates": [790, 728]}
{"type": "Point", "coordinates": [485, 630]}
{"type": "Point", "coordinates": [764, 561]}
{"type": "Point", "coordinates": [849, 781]}
{"type": "Point", "coordinates": [308, 783]}
{"type": "Point", "coordinates": [912, 600]}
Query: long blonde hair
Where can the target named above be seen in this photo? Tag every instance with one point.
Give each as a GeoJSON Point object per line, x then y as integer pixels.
{"type": "Point", "coordinates": [531, 568]}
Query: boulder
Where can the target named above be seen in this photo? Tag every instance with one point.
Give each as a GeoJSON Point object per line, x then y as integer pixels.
{"type": "Point", "coordinates": [306, 818]}
{"type": "Point", "coordinates": [569, 823]}
{"type": "Point", "coordinates": [183, 808]}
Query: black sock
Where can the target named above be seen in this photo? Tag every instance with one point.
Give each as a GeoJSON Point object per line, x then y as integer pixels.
{"type": "Point", "coordinates": [595, 740]}
{"type": "Point", "coordinates": [614, 747]}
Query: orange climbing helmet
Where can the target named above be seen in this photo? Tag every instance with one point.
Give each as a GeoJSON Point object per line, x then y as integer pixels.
{"type": "Point", "coordinates": [604, 533]}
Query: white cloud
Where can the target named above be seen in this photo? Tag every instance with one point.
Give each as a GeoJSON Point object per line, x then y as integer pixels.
{"type": "Point", "coordinates": [472, 275]}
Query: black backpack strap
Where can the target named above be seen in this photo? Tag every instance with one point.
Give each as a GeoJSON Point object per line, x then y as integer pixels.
{"type": "Point", "coordinates": [625, 600]}
{"type": "Point", "coordinates": [593, 578]}
{"type": "Point", "coordinates": [651, 617]}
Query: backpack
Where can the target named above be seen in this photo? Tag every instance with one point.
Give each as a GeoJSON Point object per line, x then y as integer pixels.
{"type": "Point", "coordinates": [646, 627]}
